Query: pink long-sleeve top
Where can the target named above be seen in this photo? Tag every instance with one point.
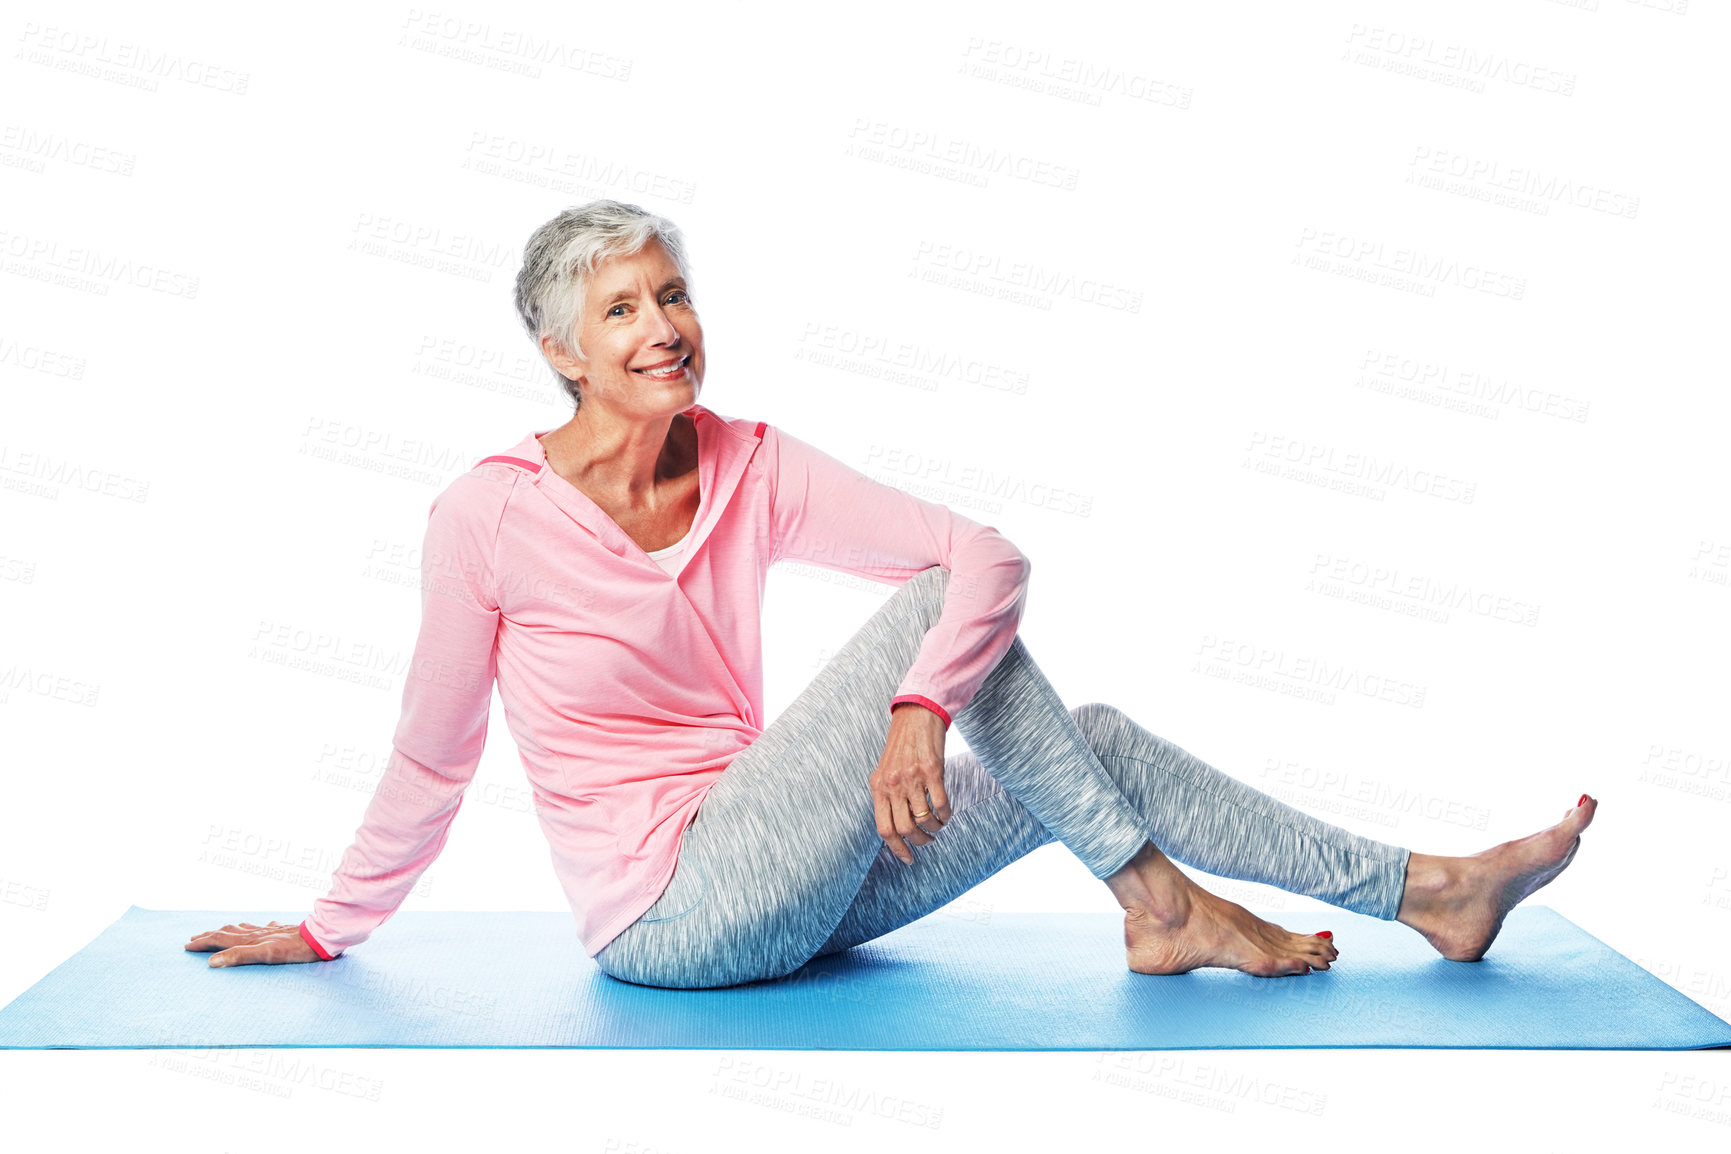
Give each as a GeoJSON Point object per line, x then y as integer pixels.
{"type": "Point", "coordinates": [628, 689]}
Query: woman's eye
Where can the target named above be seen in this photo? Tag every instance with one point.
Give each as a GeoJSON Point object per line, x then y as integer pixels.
{"type": "Point", "coordinates": [679, 296]}
{"type": "Point", "coordinates": [614, 311]}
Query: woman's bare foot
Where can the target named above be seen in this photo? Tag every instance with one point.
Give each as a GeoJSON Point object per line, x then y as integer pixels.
{"type": "Point", "coordinates": [1172, 926]}
{"type": "Point", "coordinates": [1459, 903]}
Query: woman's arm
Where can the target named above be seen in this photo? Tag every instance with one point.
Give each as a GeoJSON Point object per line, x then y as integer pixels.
{"type": "Point", "coordinates": [438, 743]}
{"type": "Point", "coordinates": [443, 725]}
{"type": "Point", "coordinates": [834, 516]}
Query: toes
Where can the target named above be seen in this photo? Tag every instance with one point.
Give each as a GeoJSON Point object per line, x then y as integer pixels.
{"type": "Point", "coordinates": [1280, 968]}
{"type": "Point", "coordinates": [1288, 967]}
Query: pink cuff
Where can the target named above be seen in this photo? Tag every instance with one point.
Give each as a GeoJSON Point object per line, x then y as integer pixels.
{"type": "Point", "coordinates": [919, 699]}
{"type": "Point", "coordinates": [317, 949]}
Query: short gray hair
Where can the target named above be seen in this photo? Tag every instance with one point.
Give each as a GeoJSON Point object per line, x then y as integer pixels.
{"type": "Point", "coordinates": [560, 259]}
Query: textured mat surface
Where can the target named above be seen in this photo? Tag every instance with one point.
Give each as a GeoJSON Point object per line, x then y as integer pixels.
{"type": "Point", "coordinates": [1013, 982]}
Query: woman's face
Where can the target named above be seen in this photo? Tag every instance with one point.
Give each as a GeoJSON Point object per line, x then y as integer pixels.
{"type": "Point", "coordinates": [637, 316]}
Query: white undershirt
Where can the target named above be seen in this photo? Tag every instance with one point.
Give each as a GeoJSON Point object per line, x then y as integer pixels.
{"type": "Point", "coordinates": [672, 558]}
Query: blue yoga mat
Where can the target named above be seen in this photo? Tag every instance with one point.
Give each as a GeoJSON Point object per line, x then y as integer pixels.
{"type": "Point", "coordinates": [1012, 982]}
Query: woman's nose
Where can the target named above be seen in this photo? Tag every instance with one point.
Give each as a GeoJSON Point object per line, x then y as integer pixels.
{"type": "Point", "coordinates": [665, 332]}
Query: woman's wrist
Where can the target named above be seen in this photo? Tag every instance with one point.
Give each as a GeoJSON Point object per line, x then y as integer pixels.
{"type": "Point", "coordinates": [921, 708]}
{"type": "Point", "coordinates": [324, 955]}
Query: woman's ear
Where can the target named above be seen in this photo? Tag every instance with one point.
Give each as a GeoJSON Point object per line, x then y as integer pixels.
{"type": "Point", "coordinates": [569, 366]}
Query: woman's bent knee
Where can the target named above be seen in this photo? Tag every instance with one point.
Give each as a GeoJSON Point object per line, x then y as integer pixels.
{"type": "Point", "coordinates": [931, 584]}
{"type": "Point", "coordinates": [1108, 729]}
{"type": "Point", "coordinates": [1096, 716]}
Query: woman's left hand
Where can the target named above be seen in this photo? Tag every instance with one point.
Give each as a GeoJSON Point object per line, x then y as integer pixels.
{"type": "Point", "coordinates": [908, 784]}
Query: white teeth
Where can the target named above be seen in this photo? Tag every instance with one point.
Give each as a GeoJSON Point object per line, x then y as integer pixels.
{"type": "Point", "coordinates": [668, 372]}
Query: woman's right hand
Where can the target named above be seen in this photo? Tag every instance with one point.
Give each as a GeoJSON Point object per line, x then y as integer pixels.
{"type": "Point", "coordinates": [250, 945]}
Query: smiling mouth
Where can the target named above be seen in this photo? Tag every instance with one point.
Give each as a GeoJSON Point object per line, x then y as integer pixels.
{"type": "Point", "coordinates": [667, 372]}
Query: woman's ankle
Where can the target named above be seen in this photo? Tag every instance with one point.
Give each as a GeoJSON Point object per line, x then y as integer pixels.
{"type": "Point", "coordinates": [1430, 880]}
{"type": "Point", "coordinates": [1151, 884]}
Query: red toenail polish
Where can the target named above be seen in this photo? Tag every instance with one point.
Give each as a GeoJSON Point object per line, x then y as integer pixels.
{"type": "Point", "coordinates": [1583, 800]}
{"type": "Point", "coordinates": [1325, 933]}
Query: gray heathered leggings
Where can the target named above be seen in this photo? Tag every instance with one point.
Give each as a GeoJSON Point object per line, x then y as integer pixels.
{"type": "Point", "coordinates": [784, 863]}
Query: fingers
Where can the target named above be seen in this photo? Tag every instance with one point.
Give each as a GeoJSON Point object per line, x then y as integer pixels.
{"type": "Point", "coordinates": [905, 824]}
{"type": "Point", "coordinates": [908, 798]}
{"type": "Point", "coordinates": [896, 825]}
{"type": "Point", "coordinates": [898, 829]}
{"type": "Point", "coordinates": [262, 953]}
{"type": "Point", "coordinates": [238, 956]}
{"type": "Point", "coordinates": [927, 812]}
{"type": "Point", "coordinates": [219, 939]}
{"type": "Point", "coordinates": [887, 830]}
{"type": "Point", "coordinates": [243, 934]}
{"type": "Point", "coordinates": [940, 801]}
{"type": "Point", "coordinates": [262, 946]}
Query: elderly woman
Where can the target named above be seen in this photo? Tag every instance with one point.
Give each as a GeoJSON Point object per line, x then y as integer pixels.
{"type": "Point", "coordinates": [608, 576]}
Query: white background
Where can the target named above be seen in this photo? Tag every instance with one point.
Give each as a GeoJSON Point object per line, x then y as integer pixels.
{"type": "Point", "coordinates": [1217, 266]}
